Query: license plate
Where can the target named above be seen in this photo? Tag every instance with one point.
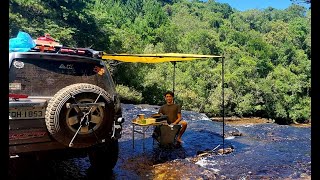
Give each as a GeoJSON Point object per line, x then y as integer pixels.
{"type": "Point", "coordinates": [27, 113]}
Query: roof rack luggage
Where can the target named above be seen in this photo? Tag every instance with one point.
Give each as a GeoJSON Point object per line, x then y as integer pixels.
{"type": "Point", "coordinates": [50, 45]}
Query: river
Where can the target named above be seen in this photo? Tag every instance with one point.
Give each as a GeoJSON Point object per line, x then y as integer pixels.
{"type": "Point", "coordinates": [259, 151]}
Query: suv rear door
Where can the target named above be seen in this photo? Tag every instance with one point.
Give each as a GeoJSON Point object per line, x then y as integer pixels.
{"type": "Point", "coordinates": [34, 78]}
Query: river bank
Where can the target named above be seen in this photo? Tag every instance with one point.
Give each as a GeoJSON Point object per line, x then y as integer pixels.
{"type": "Point", "coordinates": [253, 120]}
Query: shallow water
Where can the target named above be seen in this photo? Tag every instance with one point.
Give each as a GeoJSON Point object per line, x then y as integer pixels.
{"type": "Point", "coordinates": [264, 151]}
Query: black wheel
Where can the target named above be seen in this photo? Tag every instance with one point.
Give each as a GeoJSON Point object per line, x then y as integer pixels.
{"type": "Point", "coordinates": [104, 155]}
{"type": "Point", "coordinates": [67, 115]}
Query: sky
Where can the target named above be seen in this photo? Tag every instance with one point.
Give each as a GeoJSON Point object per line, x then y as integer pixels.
{"type": "Point", "coordinates": [243, 5]}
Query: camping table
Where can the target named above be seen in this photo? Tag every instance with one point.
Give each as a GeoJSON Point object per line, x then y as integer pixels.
{"type": "Point", "coordinates": [144, 128]}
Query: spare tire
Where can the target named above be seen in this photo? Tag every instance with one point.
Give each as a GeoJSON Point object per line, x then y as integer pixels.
{"type": "Point", "coordinates": [63, 115]}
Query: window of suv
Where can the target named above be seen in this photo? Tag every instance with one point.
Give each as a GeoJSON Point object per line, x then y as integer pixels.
{"type": "Point", "coordinates": [44, 77]}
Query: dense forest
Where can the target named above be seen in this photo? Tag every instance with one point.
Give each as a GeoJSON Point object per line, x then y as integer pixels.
{"type": "Point", "coordinates": [267, 51]}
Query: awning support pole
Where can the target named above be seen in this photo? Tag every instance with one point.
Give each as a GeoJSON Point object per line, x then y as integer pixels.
{"type": "Point", "coordinates": [222, 84]}
{"type": "Point", "coordinates": [174, 74]}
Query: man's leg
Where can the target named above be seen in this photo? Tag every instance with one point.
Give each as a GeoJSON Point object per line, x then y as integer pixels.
{"type": "Point", "coordinates": [182, 130]}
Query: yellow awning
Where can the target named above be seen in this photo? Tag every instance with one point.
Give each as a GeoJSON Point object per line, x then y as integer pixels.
{"type": "Point", "coordinates": [156, 58]}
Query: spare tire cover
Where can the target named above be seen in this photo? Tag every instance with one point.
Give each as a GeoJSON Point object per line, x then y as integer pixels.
{"type": "Point", "coordinates": [67, 108]}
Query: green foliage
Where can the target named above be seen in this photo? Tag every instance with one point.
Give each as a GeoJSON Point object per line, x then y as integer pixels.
{"type": "Point", "coordinates": [200, 42]}
{"type": "Point", "coordinates": [168, 35]}
{"type": "Point", "coordinates": [245, 105]}
{"type": "Point", "coordinates": [300, 112]}
{"type": "Point", "coordinates": [298, 31]}
{"type": "Point", "coordinates": [128, 94]}
{"type": "Point", "coordinates": [267, 52]}
{"type": "Point", "coordinates": [285, 91]}
{"type": "Point", "coordinates": [277, 33]}
{"type": "Point", "coordinates": [130, 74]}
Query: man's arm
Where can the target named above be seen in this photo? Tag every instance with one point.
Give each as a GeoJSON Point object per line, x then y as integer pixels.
{"type": "Point", "coordinates": [178, 119]}
{"type": "Point", "coordinates": [160, 110]}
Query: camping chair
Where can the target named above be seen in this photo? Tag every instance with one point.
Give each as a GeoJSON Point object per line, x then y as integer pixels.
{"type": "Point", "coordinates": [167, 135]}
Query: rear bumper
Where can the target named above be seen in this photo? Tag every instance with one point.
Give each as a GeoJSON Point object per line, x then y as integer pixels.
{"type": "Point", "coordinates": [46, 151]}
{"type": "Point", "coordinates": [35, 147]}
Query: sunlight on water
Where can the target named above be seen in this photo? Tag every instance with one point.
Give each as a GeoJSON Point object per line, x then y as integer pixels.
{"type": "Point", "coordinates": [230, 137]}
{"type": "Point", "coordinates": [208, 164]}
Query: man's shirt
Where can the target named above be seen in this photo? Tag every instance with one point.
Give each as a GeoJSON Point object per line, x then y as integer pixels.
{"type": "Point", "coordinates": [171, 111]}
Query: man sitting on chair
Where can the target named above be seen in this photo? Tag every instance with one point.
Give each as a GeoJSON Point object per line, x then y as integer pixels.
{"type": "Point", "coordinates": [173, 111]}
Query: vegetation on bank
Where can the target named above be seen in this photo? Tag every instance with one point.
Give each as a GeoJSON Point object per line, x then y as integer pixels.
{"type": "Point", "coordinates": [267, 51]}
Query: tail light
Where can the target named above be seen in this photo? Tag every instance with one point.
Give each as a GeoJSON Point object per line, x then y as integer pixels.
{"type": "Point", "coordinates": [17, 96]}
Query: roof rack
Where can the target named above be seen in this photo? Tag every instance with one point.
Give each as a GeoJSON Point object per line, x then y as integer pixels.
{"type": "Point", "coordinates": [48, 44]}
{"type": "Point", "coordinates": [81, 52]}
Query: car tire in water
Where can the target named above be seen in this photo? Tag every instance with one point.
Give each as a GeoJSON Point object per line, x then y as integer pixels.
{"type": "Point", "coordinates": [63, 115]}
{"type": "Point", "coordinates": [104, 156]}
